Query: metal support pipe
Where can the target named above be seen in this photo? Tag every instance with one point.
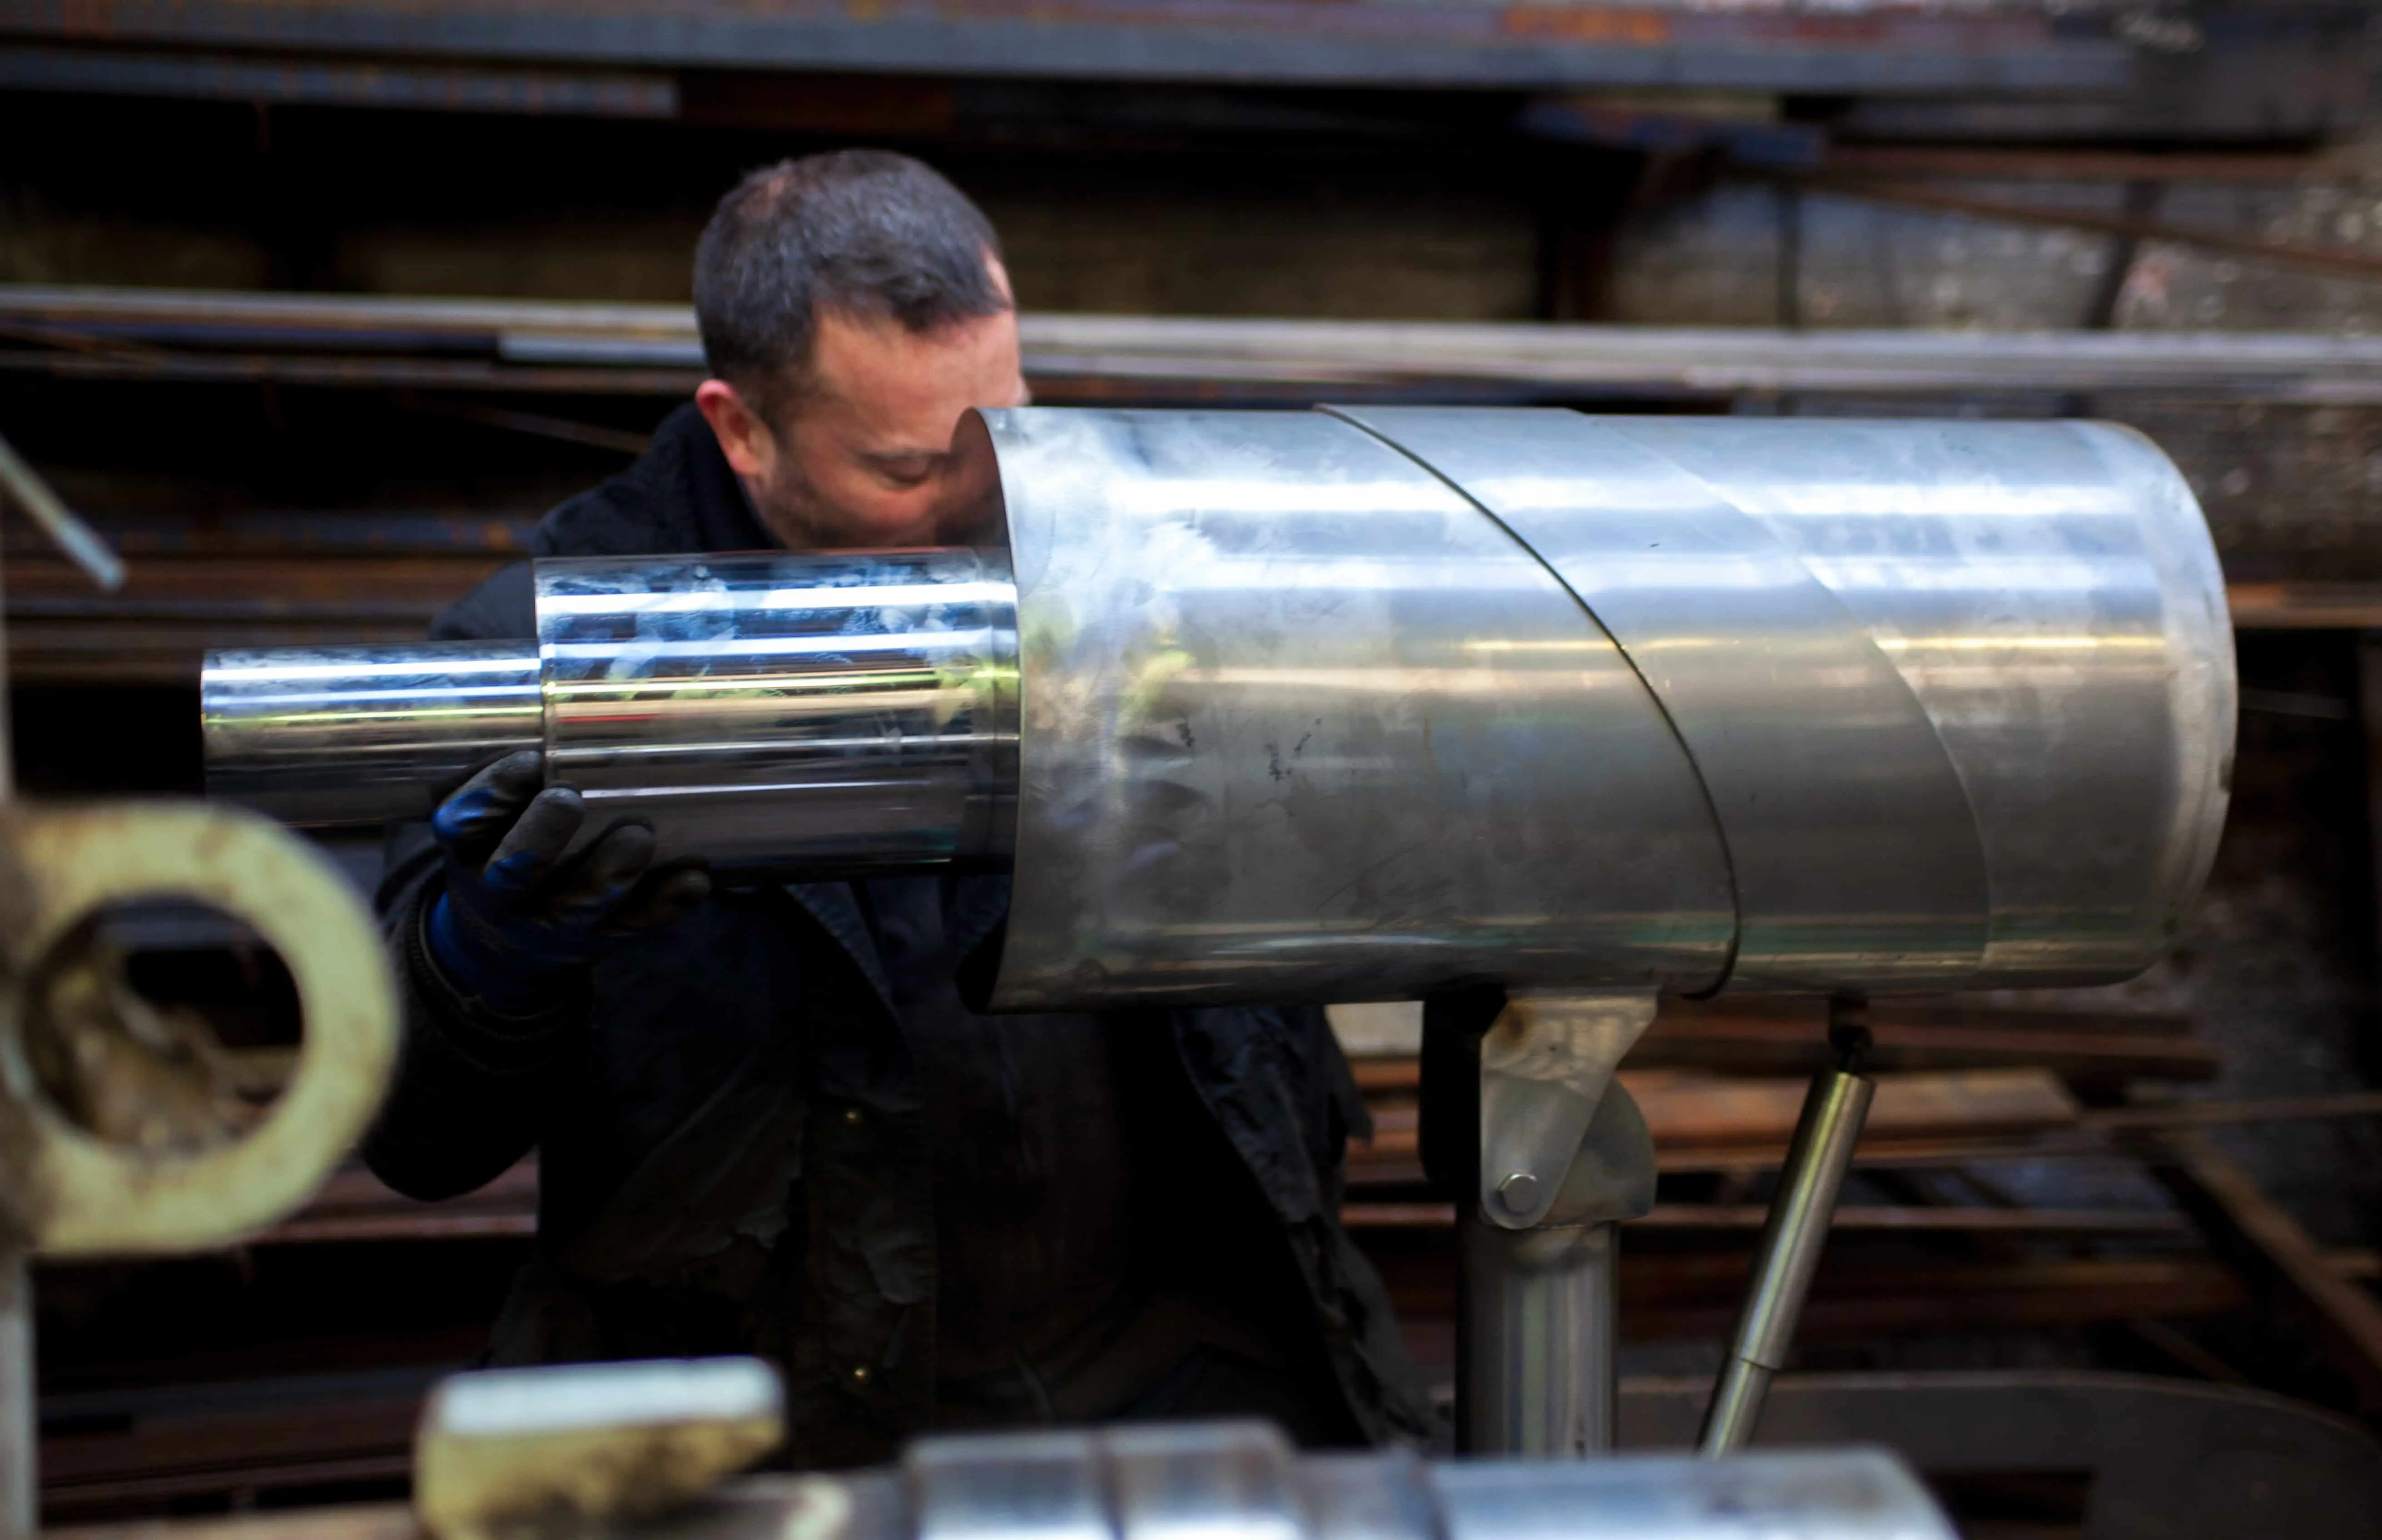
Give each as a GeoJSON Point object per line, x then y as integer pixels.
{"type": "Point", "coordinates": [1560, 1154]}
{"type": "Point", "coordinates": [1788, 1252]}
{"type": "Point", "coordinates": [20, 1482]}
{"type": "Point", "coordinates": [1538, 1355]}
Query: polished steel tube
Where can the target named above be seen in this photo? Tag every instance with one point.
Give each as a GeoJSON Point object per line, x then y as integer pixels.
{"type": "Point", "coordinates": [778, 713]}
{"type": "Point", "coordinates": [1349, 708]}
{"type": "Point", "coordinates": [1788, 1254]}
{"type": "Point", "coordinates": [840, 712]}
{"type": "Point", "coordinates": [1355, 705]}
{"type": "Point", "coordinates": [334, 736]}
{"type": "Point", "coordinates": [1538, 1348]}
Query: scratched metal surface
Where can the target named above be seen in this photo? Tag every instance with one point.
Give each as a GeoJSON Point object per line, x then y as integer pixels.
{"type": "Point", "coordinates": [1300, 722]}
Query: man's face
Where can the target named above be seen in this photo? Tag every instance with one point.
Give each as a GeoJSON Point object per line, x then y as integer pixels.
{"type": "Point", "coordinates": [863, 457]}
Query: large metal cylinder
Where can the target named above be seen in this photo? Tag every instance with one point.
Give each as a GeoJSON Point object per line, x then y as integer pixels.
{"type": "Point", "coordinates": [1355, 705]}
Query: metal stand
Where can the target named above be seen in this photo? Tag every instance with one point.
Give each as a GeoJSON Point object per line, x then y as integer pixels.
{"type": "Point", "coordinates": [19, 1486]}
{"type": "Point", "coordinates": [1546, 1155]}
{"type": "Point", "coordinates": [1537, 1371]}
{"type": "Point", "coordinates": [1788, 1252]}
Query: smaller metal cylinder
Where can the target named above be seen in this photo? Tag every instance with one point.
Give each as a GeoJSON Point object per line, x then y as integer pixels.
{"type": "Point", "coordinates": [840, 712]}
{"type": "Point", "coordinates": [776, 714]}
{"type": "Point", "coordinates": [1539, 1341]}
{"type": "Point", "coordinates": [1788, 1254]}
{"type": "Point", "coordinates": [332, 736]}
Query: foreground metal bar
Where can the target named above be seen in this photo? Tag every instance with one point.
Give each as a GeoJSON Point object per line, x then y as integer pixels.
{"type": "Point", "coordinates": [1788, 1253]}
{"type": "Point", "coordinates": [20, 1484]}
{"type": "Point", "coordinates": [2175, 1458]}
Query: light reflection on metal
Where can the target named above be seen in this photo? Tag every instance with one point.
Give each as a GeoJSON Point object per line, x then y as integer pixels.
{"type": "Point", "coordinates": [1288, 715]}
{"type": "Point", "coordinates": [1876, 778]}
{"type": "Point", "coordinates": [854, 710]}
{"type": "Point", "coordinates": [80, 543]}
{"type": "Point", "coordinates": [1832, 792]}
{"type": "Point", "coordinates": [330, 736]}
{"type": "Point", "coordinates": [1261, 758]}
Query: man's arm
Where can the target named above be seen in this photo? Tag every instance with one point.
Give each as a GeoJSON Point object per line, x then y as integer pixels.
{"type": "Point", "coordinates": [493, 923]}
{"type": "Point", "coordinates": [467, 1098]}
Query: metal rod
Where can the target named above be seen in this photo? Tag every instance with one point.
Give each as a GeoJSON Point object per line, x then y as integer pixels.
{"type": "Point", "coordinates": [77, 539]}
{"type": "Point", "coordinates": [19, 1484]}
{"type": "Point", "coordinates": [1788, 1252]}
{"type": "Point", "coordinates": [546, 345]}
{"type": "Point", "coordinates": [1537, 1364]}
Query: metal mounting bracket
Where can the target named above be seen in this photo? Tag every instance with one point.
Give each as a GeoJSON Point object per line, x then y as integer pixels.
{"type": "Point", "coordinates": [1545, 1063]}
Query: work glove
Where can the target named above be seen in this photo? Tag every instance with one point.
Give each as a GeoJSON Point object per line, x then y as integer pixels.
{"type": "Point", "coordinates": [523, 916]}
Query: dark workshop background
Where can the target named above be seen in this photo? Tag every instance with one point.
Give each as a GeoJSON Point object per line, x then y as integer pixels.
{"type": "Point", "coordinates": [2092, 179]}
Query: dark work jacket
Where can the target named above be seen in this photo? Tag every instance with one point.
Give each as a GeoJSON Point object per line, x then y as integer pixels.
{"type": "Point", "coordinates": [732, 1153]}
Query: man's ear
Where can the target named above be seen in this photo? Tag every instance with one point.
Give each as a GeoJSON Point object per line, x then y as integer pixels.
{"type": "Point", "coordinates": [744, 436]}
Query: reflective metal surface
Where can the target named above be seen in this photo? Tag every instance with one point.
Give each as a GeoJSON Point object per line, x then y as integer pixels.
{"type": "Point", "coordinates": [1538, 1357]}
{"type": "Point", "coordinates": [2050, 592]}
{"type": "Point", "coordinates": [1300, 723]}
{"type": "Point", "coordinates": [1810, 1495]}
{"type": "Point", "coordinates": [1243, 1481]}
{"type": "Point", "coordinates": [331, 736]}
{"type": "Point", "coordinates": [1198, 1480]}
{"type": "Point", "coordinates": [1850, 842]}
{"type": "Point", "coordinates": [1289, 714]}
{"type": "Point", "coordinates": [1047, 1484]}
{"type": "Point", "coordinates": [1914, 663]}
{"type": "Point", "coordinates": [1788, 1255]}
{"type": "Point", "coordinates": [841, 711]}
{"type": "Point", "coordinates": [1536, 1365]}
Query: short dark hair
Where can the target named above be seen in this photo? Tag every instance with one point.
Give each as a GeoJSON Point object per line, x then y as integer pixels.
{"type": "Point", "coordinates": [865, 232]}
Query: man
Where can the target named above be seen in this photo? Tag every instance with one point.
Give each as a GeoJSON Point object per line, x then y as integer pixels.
{"type": "Point", "coordinates": [764, 1119]}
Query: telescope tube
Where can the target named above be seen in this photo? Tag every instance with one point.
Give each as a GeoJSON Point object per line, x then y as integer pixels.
{"type": "Point", "coordinates": [1318, 705]}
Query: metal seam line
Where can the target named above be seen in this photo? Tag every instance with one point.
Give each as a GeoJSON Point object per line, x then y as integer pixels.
{"type": "Point", "coordinates": [1867, 843]}
{"type": "Point", "coordinates": [1353, 417]}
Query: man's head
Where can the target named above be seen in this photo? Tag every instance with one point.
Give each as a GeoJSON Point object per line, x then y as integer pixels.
{"type": "Point", "coordinates": [852, 305]}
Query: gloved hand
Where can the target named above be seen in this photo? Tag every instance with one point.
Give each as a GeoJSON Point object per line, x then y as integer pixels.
{"type": "Point", "coordinates": [519, 919]}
